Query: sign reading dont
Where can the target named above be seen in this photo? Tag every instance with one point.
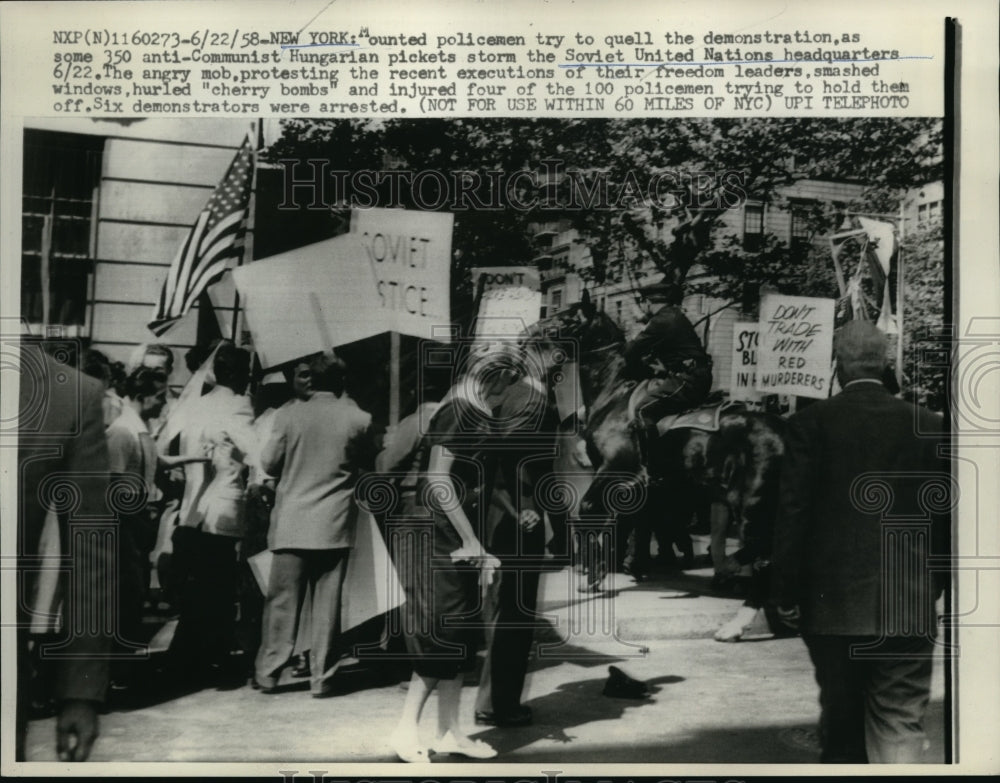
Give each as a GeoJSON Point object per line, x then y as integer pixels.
{"type": "Point", "coordinates": [796, 345]}
{"type": "Point", "coordinates": [510, 299]}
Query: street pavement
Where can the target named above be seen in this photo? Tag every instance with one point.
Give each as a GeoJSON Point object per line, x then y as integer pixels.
{"type": "Point", "coordinates": [750, 702]}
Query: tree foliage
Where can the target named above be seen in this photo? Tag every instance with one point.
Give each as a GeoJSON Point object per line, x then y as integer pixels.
{"type": "Point", "coordinates": [926, 341]}
{"type": "Point", "coordinates": [702, 167]}
{"type": "Point", "coordinates": [687, 158]}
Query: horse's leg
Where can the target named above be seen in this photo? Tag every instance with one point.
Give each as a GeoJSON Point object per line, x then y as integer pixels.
{"type": "Point", "coordinates": [672, 529]}
{"type": "Point", "coordinates": [736, 628]}
{"type": "Point", "coordinates": [598, 531]}
{"type": "Point", "coordinates": [616, 490]}
{"type": "Point", "coordinates": [572, 476]}
{"type": "Point", "coordinates": [681, 536]}
{"type": "Point", "coordinates": [599, 555]}
{"type": "Point", "coordinates": [641, 528]}
{"type": "Point", "coordinates": [718, 515]}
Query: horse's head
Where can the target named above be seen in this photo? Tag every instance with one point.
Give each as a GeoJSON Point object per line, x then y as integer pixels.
{"type": "Point", "coordinates": [574, 332]}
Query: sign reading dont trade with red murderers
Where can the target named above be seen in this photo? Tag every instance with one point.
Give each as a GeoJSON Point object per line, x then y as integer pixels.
{"type": "Point", "coordinates": [795, 348]}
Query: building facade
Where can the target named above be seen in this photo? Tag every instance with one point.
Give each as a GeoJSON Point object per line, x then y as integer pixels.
{"type": "Point", "coordinates": [105, 207]}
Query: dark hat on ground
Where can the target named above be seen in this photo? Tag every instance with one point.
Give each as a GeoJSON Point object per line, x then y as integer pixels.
{"type": "Point", "coordinates": [621, 686]}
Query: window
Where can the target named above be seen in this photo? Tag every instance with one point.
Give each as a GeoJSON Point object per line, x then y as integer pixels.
{"type": "Point", "coordinates": [557, 299]}
{"type": "Point", "coordinates": [61, 174]}
{"type": "Point", "coordinates": [753, 226]}
{"type": "Point", "coordinates": [800, 227]}
{"type": "Point", "coordinates": [929, 212]}
{"type": "Point", "coordinates": [618, 310]}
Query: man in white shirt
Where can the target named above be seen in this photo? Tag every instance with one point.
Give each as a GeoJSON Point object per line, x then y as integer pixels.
{"type": "Point", "coordinates": [212, 518]}
{"type": "Point", "coordinates": [131, 448]}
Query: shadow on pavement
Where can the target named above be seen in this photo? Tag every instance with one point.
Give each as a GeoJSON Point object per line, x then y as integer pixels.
{"type": "Point", "coordinates": [553, 649]}
{"type": "Point", "coordinates": [570, 705]}
{"type": "Point", "coordinates": [736, 740]}
{"type": "Point", "coordinates": [736, 744]}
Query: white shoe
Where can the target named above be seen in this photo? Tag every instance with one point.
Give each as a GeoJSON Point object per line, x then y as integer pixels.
{"type": "Point", "coordinates": [408, 748]}
{"type": "Point", "coordinates": [734, 630]}
{"type": "Point", "coordinates": [473, 749]}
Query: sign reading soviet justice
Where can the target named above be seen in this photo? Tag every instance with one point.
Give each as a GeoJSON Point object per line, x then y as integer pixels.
{"type": "Point", "coordinates": [409, 255]}
{"type": "Point", "coordinates": [796, 345]}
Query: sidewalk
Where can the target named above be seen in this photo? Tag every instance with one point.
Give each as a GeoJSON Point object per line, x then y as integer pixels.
{"type": "Point", "coordinates": [749, 702]}
{"type": "Point", "coordinates": [678, 605]}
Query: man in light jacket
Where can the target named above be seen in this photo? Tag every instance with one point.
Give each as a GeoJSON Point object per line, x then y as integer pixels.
{"type": "Point", "coordinates": [313, 450]}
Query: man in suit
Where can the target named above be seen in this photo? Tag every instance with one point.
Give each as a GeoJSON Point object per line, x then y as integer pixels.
{"type": "Point", "coordinates": [314, 450]}
{"type": "Point", "coordinates": [856, 525]}
{"type": "Point", "coordinates": [63, 465]}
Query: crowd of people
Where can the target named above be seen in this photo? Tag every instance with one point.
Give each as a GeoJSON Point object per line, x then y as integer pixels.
{"type": "Point", "coordinates": [224, 476]}
{"type": "Point", "coordinates": [249, 502]}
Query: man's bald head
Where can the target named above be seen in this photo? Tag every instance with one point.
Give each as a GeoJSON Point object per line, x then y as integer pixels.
{"type": "Point", "coordinates": [862, 351]}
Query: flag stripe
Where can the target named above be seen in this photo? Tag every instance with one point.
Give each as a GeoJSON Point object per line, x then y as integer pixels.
{"type": "Point", "coordinates": [170, 284]}
{"type": "Point", "coordinates": [206, 277]}
{"type": "Point", "coordinates": [188, 261]}
{"type": "Point", "coordinates": [222, 250]}
{"type": "Point", "coordinates": [216, 236]}
{"type": "Point", "coordinates": [181, 260]}
{"type": "Point", "coordinates": [224, 226]}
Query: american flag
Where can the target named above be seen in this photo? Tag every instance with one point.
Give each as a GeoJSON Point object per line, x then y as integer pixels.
{"type": "Point", "coordinates": [215, 238]}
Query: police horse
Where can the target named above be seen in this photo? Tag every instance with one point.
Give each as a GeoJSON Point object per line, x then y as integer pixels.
{"type": "Point", "coordinates": [599, 477]}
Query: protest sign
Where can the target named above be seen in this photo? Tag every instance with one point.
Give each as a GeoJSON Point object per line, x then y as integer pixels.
{"type": "Point", "coordinates": [309, 299]}
{"type": "Point", "coordinates": [795, 345]}
{"type": "Point", "coordinates": [409, 255]}
{"type": "Point", "coordinates": [743, 380]}
{"type": "Point", "coordinates": [371, 583]}
{"type": "Point", "coordinates": [392, 272]}
{"type": "Point", "coordinates": [510, 299]}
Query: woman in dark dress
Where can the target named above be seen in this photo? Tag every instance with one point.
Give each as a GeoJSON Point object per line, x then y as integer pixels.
{"type": "Point", "coordinates": [443, 573]}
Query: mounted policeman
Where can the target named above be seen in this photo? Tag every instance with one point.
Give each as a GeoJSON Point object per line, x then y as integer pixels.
{"type": "Point", "coordinates": [668, 356]}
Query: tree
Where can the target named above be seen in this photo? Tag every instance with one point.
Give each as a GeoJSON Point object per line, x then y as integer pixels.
{"type": "Point", "coordinates": [925, 338]}
{"type": "Point", "coordinates": [661, 185]}
{"type": "Point", "coordinates": [636, 190]}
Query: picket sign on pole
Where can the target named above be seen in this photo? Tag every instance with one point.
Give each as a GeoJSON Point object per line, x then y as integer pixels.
{"type": "Point", "coordinates": [795, 345]}
{"type": "Point", "coordinates": [390, 273]}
